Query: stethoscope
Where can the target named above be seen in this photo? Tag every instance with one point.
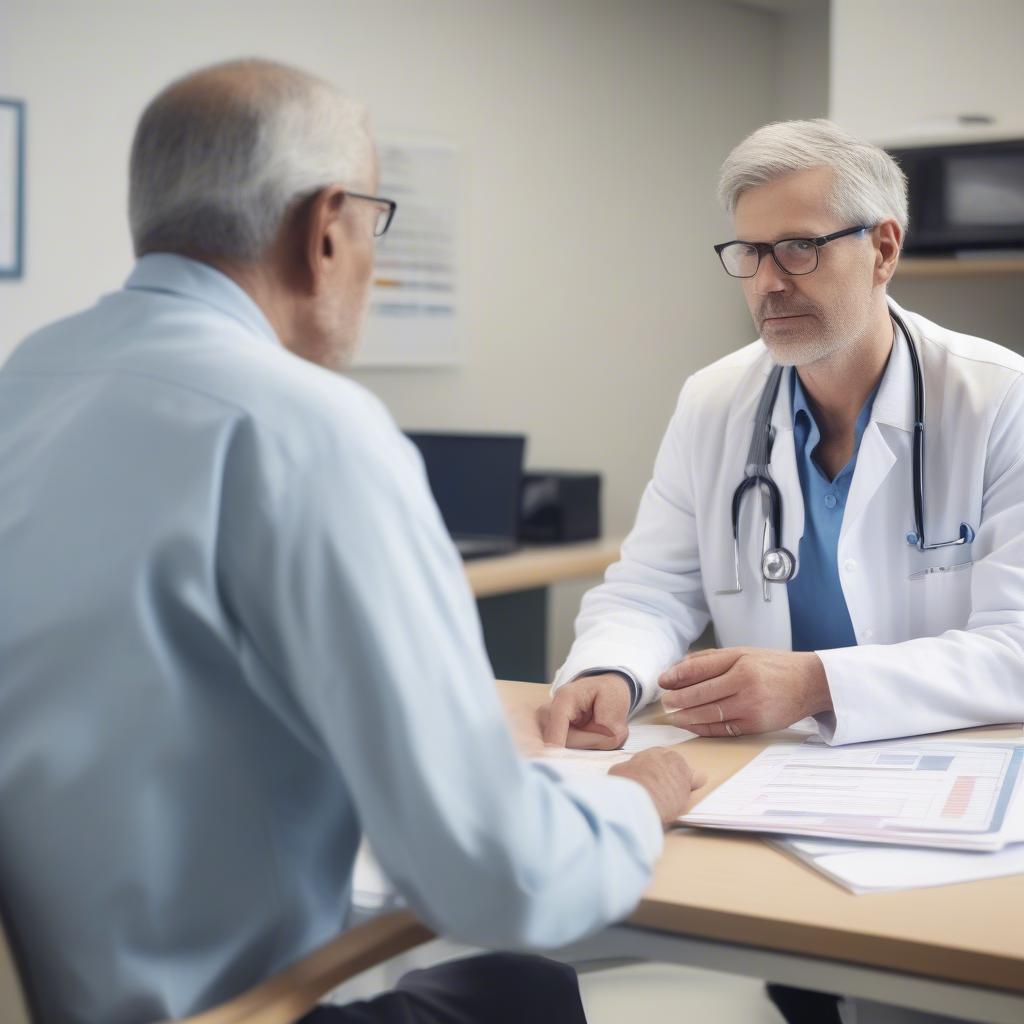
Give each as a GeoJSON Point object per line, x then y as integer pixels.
{"type": "Point", "coordinates": [778, 564]}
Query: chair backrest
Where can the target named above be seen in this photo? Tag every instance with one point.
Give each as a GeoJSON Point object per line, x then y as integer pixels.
{"type": "Point", "coordinates": [282, 999]}
{"type": "Point", "coordinates": [13, 1009]}
{"type": "Point", "coordinates": [291, 994]}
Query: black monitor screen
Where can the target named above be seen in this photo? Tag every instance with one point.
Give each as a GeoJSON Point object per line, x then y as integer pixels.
{"type": "Point", "coordinates": [986, 190]}
{"type": "Point", "coordinates": [476, 479]}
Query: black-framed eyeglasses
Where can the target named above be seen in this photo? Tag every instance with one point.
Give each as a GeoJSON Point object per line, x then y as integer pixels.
{"type": "Point", "coordinates": [385, 211]}
{"type": "Point", "coordinates": [794, 256]}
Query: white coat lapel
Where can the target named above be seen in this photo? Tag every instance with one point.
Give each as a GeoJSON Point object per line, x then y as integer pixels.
{"type": "Point", "coordinates": [878, 453]}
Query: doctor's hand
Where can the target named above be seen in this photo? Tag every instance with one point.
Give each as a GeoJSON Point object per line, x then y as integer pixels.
{"type": "Point", "coordinates": [740, 690]}
{"type": "Point", "coordinates": [590, 713]}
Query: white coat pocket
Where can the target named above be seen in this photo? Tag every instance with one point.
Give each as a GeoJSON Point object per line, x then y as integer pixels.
{"type": "Point", "coordinates": [940, 598]}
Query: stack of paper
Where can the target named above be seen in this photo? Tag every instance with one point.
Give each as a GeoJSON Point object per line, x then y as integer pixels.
{"type": "Point", "coordinates": [862, 868]}
{"type": "Point", "coordinates": [908, 793]}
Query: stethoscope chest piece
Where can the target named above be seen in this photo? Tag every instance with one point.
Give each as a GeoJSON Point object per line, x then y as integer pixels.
{"type": "Point", "coordinates": [778, 565]}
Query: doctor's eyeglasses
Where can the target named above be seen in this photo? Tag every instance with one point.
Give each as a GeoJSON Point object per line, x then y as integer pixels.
{"type": "Point", "coordinates": [794, 256]}
{"type": "Point", "coordinates": [385, 211]}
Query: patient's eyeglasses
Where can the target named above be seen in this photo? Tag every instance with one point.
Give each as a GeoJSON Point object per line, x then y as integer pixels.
{"type": "Point", "coordinates": [385, 211]}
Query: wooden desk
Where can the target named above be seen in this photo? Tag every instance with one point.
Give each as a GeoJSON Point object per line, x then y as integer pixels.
{"type": "Point", "coordinates": [532, 567]}
{"type": "Point", "coordinates": [734, 903]}
{"type": "Point", "coordinates": [512, 599]}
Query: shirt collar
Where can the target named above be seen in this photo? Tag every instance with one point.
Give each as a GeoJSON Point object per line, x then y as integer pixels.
{"type": "Point", "coordinates": [192, 279]}
{"type": "Point", "coordinates": [804, 422]}
{"type": "Point", "coordinates": [801, 404]}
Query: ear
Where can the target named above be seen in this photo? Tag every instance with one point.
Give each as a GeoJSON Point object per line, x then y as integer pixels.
{"type": "Point", "coordinates": [320, 243]}
{"type": "Point", "coordinates": [888, 240]}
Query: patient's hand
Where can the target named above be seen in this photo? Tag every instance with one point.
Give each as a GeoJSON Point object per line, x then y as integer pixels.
{"type": "Point", "coordinates": [590, 713]}
{"type": "Point", "coordinates": [741, 690]}
{"type": "Point", "coordinates": [667, 776]}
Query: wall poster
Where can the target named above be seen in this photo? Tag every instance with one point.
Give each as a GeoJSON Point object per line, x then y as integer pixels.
{"type": "Point", "coordinates": [416, 304]}
{"type": "Point", "coordinates": [12, 188]}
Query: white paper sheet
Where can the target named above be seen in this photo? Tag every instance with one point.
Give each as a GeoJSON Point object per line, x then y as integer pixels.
{"type": "Point", "coordinates": [923, 793]}
{"type": "Point", "coordinates": [642, 736]}
{"type": "Point", "coordinates": [863, 869]}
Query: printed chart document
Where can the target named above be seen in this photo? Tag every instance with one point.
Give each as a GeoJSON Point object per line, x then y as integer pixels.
{"type": "Point", "coordinates": [907, 793]}
{"type": "Point", "coordinates": [864, 868]}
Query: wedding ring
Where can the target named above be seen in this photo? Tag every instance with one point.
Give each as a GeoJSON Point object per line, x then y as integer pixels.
{"type": "Point", "coordinates": [731, 729]}
{"type": "Point", "coordinates": [721, 714]}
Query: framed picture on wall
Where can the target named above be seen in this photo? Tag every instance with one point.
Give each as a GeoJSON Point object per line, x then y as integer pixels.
{"type": "Point", "coordinates": [12, 187]}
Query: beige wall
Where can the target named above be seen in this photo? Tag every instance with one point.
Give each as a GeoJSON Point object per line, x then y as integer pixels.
{"type": "Point", "coordinates": [803, 59]}
{"type": "Point", "coordinates": [988, 307]}
{"type": "Point", "coordinates": [593, 131]}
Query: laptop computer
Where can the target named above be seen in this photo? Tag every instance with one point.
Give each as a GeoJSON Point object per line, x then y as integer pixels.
{"type": "Point", "coordinates": [476, 480]}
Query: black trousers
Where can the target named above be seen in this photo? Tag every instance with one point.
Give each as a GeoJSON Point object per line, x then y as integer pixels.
{"type": "Point", "coordinates": [801, 1006]}
{"type": "Point", "coordinates": [496, 988]}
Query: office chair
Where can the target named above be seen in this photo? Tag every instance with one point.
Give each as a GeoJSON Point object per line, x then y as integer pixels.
{"type": "Point", "coordinates": [282, 999]}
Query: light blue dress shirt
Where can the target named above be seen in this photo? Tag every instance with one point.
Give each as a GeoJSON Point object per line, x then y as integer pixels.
{"type": "Point", "coordinates": [234, 637]}
{"type": "Point", "coordinates": [820, 620]}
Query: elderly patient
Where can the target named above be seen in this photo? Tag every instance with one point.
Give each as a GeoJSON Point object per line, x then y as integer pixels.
{"type": "Point", "coordinates": [235, 636]}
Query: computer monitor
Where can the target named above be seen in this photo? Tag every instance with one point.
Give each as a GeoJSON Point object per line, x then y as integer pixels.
{"type": "Point", "coordinates": [476, 480]}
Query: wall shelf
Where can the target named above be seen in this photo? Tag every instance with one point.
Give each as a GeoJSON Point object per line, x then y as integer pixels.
{"type": "Point", "coordinates": [951, 266]}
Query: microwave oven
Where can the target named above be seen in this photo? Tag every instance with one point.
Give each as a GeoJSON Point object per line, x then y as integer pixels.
{"type": "Point", "coordinates": [966, 196]}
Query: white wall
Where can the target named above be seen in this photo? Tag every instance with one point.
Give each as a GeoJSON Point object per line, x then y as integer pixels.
{"type": "Point", "coordinates": [903, 72]}
{"type": "Point", "coordinates": [803, 59]}
{"type": "Point", "coordinates": [593, 128]}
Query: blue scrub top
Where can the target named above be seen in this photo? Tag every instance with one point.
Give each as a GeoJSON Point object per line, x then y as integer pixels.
{"type": "Point", "coordinates": [817, 607]}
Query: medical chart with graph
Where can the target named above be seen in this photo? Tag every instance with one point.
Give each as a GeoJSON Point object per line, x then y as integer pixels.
{"type": "Point", "coordinates": [912, 792]}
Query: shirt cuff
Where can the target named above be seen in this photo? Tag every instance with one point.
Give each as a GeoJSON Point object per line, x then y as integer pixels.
{"type": "Point", "coordinates": [622, 803]}
{"type": "Point", "coordinates": [636, 689]}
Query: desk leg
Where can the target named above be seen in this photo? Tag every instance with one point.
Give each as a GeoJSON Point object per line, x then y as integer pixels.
{"type": "Point", "coordinates": [516, 633]}
{"type": "Point", "coordinates": [961, 1001]}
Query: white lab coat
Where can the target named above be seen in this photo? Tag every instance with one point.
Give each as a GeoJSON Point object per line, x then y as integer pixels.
{"type": "Point", "coordinates": [936, 651]}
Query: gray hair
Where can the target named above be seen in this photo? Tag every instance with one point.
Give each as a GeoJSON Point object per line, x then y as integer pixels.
{"type": "Point", "coordinates": [220, 156]}
{"type": "Point", "coordinates": [868, 185]}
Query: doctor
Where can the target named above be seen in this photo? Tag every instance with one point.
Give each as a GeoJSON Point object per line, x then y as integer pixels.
{"type": "Point", "coordinates": [836, 589]}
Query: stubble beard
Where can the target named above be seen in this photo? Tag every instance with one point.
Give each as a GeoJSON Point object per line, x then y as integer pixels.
{"type": "Point", "coordinates": [816, 336]}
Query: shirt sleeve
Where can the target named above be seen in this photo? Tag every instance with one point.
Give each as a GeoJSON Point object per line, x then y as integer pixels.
{"type": "Point", "coordinates": [351, 594]}
{"type": "Point", "coordinates": [651, 605]}
{"type": "Point", "coordinates": [636, 693]}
